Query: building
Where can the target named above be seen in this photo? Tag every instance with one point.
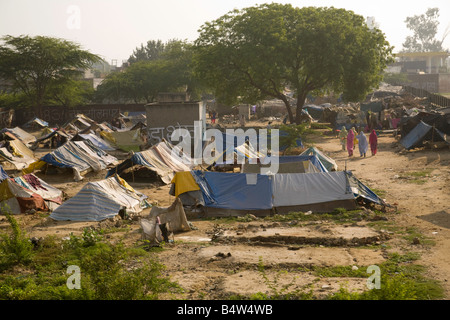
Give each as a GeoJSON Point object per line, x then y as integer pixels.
{"type": "Point", "coordinates": [173, 111]}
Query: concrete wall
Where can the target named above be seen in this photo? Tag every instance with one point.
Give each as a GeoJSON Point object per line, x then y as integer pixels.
{"type": "Point", "coordinates": [164, 118]}
{"type": "Point", "coordinates": [58, 115]}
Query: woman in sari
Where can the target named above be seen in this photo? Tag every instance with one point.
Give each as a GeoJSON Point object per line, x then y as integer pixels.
{"type": "Point", "coordinates": [373, 141]}
{"type": "Point", "coordinates": [342, 137]}
{"type": "Point", "coordinates": [350, 142]}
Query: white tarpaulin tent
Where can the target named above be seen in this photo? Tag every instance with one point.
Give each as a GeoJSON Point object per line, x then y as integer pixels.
{"type": "Point", "coordinates": [101, 200]}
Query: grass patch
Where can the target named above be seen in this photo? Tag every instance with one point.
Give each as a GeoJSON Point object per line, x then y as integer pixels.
{"type": "Point", "coordinates": [108, 271]}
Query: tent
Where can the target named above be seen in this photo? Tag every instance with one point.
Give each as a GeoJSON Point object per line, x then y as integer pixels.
{"type": "Point", "coordinates": [16, 153]}
{"type": "Point", "coordinates": [22, 135]}
{"type": "Point", "coordinates": [422, 132]}
{"type": "Point", "coordinates": [36, 122]}
{"type": "Point", "coordinates": [329, 163]}
{"type": "Point", "coordinates": [160, 158]}
{"type": "Point", "coordinates": [28, 192]}
{"type": "Point", "coordinates": [101, 200]}
{"type": "Point", "coordinates": [237, 193]}
{"type": "Point", "coordinates": [96, 140]}
{"type": "Point", "coordinates": [81, 156]}
{"type": "Point", "coordinates": [129, 140]}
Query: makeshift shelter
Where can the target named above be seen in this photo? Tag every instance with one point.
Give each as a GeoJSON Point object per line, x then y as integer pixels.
{"type": "Point", "coordinates": [240, 193]}
{"type": "Point", "coordinates": [36, 123]}
{"type": "Point", "coordinates": [81, 156]}
{"type": "Point", "coordinates": [95, 140]}
{"type": "Point", "coordinates": [172, 217]}
{"type": "Point", "coordinates": [16, 153]}
{"type": "Point", "coordinates": [101, 200]}
{"type": "Point", "coordinates": [52, 139]}
{"type": "Point", "coordinates": [21, 194]}
{"type": "Point", "coordinates": [421, 133]}
{"type": "Point", "coordinates": [129, 140]}
{"type": "Point", "coordinates": [160, 158]}
{"type": "Point", "coordinates": [22, 135]}
{"type": "Point", "coordinates": [328, 162]}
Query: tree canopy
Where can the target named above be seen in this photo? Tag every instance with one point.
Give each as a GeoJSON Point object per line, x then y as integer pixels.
{"type": "Point", "coordinates": [162, 68]}
{"type": "Point", "coordinates": [424, 29]}
{"type": "Point", "coordinates": [273, 50]}
{"type": "Point", "coordinates": [35, 66]}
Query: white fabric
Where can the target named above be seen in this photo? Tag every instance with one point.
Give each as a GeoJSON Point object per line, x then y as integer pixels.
{"type": "Point", "coordinates": [290, 189]}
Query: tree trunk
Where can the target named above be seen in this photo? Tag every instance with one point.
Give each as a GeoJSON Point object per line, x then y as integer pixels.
{"type": "Point", "coordinates": [298, 111]}
{"type": "Point", "coordinates": [288, 108]}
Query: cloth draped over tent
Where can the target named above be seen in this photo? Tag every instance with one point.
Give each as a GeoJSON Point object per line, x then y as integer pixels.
{"type": "Point", "coordinates": [79, 156]}
{"type": "Point", "coordinates": [28, 192]}
{"type": "Point", "coordinates": [160, 158]}
{"type": "Point", "coordinates": [125, 140]}
{"type": "Point", "coordinates": [101, 200]}
{"type": "Point", "coordinates": [17, 153]}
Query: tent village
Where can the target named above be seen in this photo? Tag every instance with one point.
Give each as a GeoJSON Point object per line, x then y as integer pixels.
{"type": "Point", "coordinates": [116, 174]}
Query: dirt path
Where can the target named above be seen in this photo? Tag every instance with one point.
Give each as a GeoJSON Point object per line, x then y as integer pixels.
{"type": "Point", "coordinates": [422, 202]}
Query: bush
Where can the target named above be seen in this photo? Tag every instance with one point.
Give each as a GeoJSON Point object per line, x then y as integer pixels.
{"type": "Point", "coordinates": [15, 248]}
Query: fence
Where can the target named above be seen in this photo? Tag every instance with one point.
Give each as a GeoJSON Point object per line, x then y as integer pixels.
{"type": "Point", "coordinates": [434, 98]}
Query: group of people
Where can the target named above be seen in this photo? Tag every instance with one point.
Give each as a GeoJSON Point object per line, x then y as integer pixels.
{"type": "Point", "coordinates": [349, 139]}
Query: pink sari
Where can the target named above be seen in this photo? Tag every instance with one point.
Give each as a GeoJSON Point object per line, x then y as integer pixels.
{"type": "Point", "coordinates": [373, 141]}
{"type": "Point", "coordinates": [350, 142]}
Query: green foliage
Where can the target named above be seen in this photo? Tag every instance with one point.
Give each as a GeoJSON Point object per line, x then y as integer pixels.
{"type": "Point", "coordinates": [15, 248]}
{"type": "Point", "coordinates": [293, 132]}
{"type": "Point", "coordinates": [34, 65]}
{"type": "Point", "coordinates": [108, 272]}
{"type": "Point", "coordinates": [158, 68]}
{"type": "Point", "coordinates": [257, 52]}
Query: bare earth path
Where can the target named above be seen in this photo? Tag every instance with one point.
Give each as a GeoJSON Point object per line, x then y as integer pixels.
{"type": "Point", "coordinates": [424, 204]}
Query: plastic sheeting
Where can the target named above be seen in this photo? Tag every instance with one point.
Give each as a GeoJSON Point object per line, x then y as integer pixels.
{"type": "Point", "coordinates": [309, 188]}
{"type": "Point", "coordinates": [416, 136]}
{"type": "Point", "coordinates": [245, 191]}
{"type": "Point", "coordinates": [235, 190]}
{"type": "Point", "coordinates": [101, 200]}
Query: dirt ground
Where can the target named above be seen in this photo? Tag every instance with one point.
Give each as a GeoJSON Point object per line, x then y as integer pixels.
{"type": "Point", "coordinates": [216, 260]}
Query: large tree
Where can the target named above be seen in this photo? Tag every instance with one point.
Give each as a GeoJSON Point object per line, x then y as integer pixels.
{"type": "Point", "coordinates": [425, 28]}
{"type": "Point", "coordinates": [169, 69]}
{"type": "Point", "coordinates": [34, 66]}
{"type": "Point", "coordinates": [260, 52]}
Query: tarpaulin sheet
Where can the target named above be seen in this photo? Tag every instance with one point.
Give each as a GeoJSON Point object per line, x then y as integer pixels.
{"type": "Point", "coordinates": [291, 189]}
{"type": "Point", "coordinates": [100, 200]}
{"type": "Point", "coordinates": [415, 137]}
{"type": "Point", "coordinates": [238, 191]}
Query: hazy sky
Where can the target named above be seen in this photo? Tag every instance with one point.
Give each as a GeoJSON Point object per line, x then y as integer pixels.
{"type": "Point", "coordinates": [114, 28]}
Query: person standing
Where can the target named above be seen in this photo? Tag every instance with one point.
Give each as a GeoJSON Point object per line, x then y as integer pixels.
{"type": "Point", "coordinates": [362, 143]}
{"type": "Point", "coordinates": [373, 141]}
{"type": "Point", "coordinates": [343, 136]}
{"type": "Point", "coordinates": [213, 116]}
{"type": "Point", "coordinates": [350, 142]}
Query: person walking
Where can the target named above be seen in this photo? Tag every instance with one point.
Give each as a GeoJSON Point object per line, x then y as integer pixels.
{"type": "Point", "coordinates": [373, 141]}
{"type": "Point", "coordinates": [362, 143]}
{"type": "Point", "coordinates": [343, 136]}
{"type": "Point", "coordinates": [350, 142]}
